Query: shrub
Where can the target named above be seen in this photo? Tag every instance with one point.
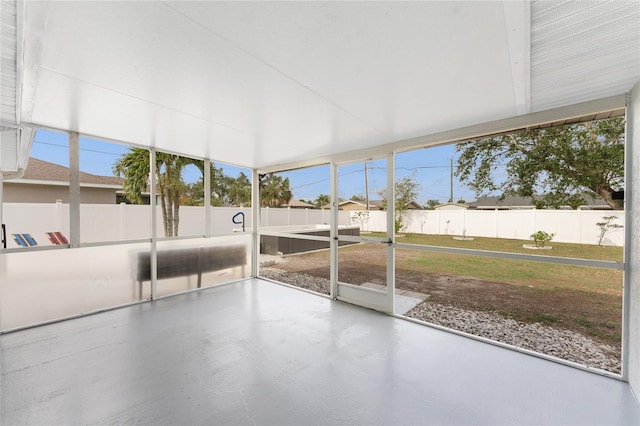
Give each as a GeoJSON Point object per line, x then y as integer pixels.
{"type": "Point", "coordinates": [541, 238]}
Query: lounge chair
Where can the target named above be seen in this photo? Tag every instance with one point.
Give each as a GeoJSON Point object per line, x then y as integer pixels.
{"type": "Point", "coordinates": [24, 240]}
{"type": "Point", "coordinates": [57, 238]}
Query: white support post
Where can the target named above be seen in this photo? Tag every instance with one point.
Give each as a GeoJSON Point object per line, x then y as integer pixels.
{"type": "Point", "coordinates": [391, 229]}
{"type": "Point", "coordinates": [2, 207]}
{"type": "Point", "coordinates": [154, 225]}
{"type": "Point", "coordinates": [74, 189]}
{"type": "Point", "coordinates": [255, 223]}
{"type": "Point", "coordinates": [207, 198]}
{"type": "Point", "coordinates": [631, 293]}
{"type": "Point", "coordinates": [333, 232]}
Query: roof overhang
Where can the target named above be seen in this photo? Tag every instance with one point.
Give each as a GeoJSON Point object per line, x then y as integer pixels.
{"type": "Point", "coordinates": [268, 83]}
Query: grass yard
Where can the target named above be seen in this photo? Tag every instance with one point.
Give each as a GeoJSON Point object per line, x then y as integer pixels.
{"type": "Point", "coordinates": [583, 299]}
{"type": "Point", "coordinates": [576, 251]}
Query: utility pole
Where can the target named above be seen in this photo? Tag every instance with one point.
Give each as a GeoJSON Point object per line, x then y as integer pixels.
{"type": "Point", "coordinates": [451, 180]}
{"type": "Point", "coordinates": [366, 184]}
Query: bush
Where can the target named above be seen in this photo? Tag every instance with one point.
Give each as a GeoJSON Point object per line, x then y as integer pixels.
{"type": "Point", "coordinates": [541, 238]}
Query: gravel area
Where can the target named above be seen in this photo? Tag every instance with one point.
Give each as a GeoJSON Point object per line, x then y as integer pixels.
{"type": "Point", "coordinates": [537, 337]}
{"type": "Point", "coordinates": [319, 285]}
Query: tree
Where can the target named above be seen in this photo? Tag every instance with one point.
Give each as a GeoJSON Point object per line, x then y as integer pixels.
{"type": "Point", "coordinates": [225, 190]}
{"type": "Point", "coordinates": [194, 192]}
{"type": "Point", "coordinates": [322, 200]}
{"type": "Point", "coordinates": [240, 190]}
{"type": "Point", "coordinates": [358, 197]}
{"type": "Point", "coordinates": [407, 190]}
{"type": "Point", "coordinates": [360, 217]}
{"type": "Point", "coordinates": [565, 163]}
{"type": "Point", "coordinates": [134, 167]}
{"type": "Point", "coordinates": [606, 226]}
{"type": "Point", "coordinates": [274, 190]}
{"type": "Point", "coordinates": [431, 204]}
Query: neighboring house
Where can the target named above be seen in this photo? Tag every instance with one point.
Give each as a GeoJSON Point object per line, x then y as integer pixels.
{"type": "Point", "coordinates": [351, 205]}
{"type": "Point", "coordinates": [380, 204]}
{"type": "Point", "coordinates": [297, 204]}
{"type": "Point", "coordinates": [523, 203]}
{"type": "Point", "coordinates": [451, 206]}
{"type": "Point", "coordinates": [45, 182]}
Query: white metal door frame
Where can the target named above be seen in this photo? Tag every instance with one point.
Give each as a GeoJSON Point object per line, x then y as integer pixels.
{"type": "Point", "coordinates": [381, 300]}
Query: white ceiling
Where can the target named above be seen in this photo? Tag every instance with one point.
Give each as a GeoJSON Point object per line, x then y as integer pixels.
{"type": "Point", "coordinates": [264, 83]}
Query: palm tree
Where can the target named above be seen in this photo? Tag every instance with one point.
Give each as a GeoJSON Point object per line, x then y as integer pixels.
{"type": "Point", "coordinates": [134, 167]}
{"type": "Point", "coordinates": [274, 190]}
{"type": "Point", "coordinates": [322, 200]}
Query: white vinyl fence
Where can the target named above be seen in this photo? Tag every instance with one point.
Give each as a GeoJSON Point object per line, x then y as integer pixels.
{"type": "Point", "coordinates": [105, 222]}
{"type": "Point", "coordinates": [569, 226]}
{"type": "Point", "coordinates": [122, 222]}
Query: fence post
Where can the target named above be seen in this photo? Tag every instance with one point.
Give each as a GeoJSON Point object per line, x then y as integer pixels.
{"type": "Point", "coordinates": [579, 224]}
{"type": "Point", "coordinates": [464, 222]}
{"type": "Point", "coordinates": [58, 208]}
{"type": "Point", "coordinates": [123, 221]}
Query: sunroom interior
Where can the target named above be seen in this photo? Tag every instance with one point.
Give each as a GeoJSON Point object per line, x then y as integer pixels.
{"type": "Point", "coordinates": [119, 319]}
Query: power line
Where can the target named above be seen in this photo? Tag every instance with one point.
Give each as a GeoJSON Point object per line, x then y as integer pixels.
{"type": "Point", "coordinates": [81, 149]}
{"type": "Point", "coordinates": [324, 180]}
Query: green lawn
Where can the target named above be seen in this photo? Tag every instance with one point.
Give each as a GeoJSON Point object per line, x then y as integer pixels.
{"type": "Point", "coordinates": [584, 299]}
{"type": "Point", "coordinates": [578, 251]}
{"type": "Point", "coordinates": [514, 272]}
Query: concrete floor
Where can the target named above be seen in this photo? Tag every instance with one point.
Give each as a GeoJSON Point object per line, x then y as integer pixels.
{"type": "Point", "coordinates": [255, 352]}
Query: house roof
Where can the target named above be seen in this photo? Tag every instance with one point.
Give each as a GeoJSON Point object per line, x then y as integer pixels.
{"type": "Point", "coordinates": [462, 206]}
{"type": "Point", "coordinates": [297, 204]}
{"type": "Point", "coordinates": [43, 171]}
{"type": "Point", "coordinates": [373, 204]}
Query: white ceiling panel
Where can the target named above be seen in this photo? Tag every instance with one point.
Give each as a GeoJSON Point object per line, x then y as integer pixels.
{"type": "Point", "coordinates": [387, 64]}
{"type": "Point", "coordinates": [583, 50]}
{"type": "Point", "coordinates": [264, 83]}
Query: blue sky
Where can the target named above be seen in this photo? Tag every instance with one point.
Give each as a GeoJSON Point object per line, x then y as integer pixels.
{"type": "Point", "coordinates": [431, 167]}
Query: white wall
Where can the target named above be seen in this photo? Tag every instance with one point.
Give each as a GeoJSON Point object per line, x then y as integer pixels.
{"type": "Point", "coordinates": [570, 226]}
